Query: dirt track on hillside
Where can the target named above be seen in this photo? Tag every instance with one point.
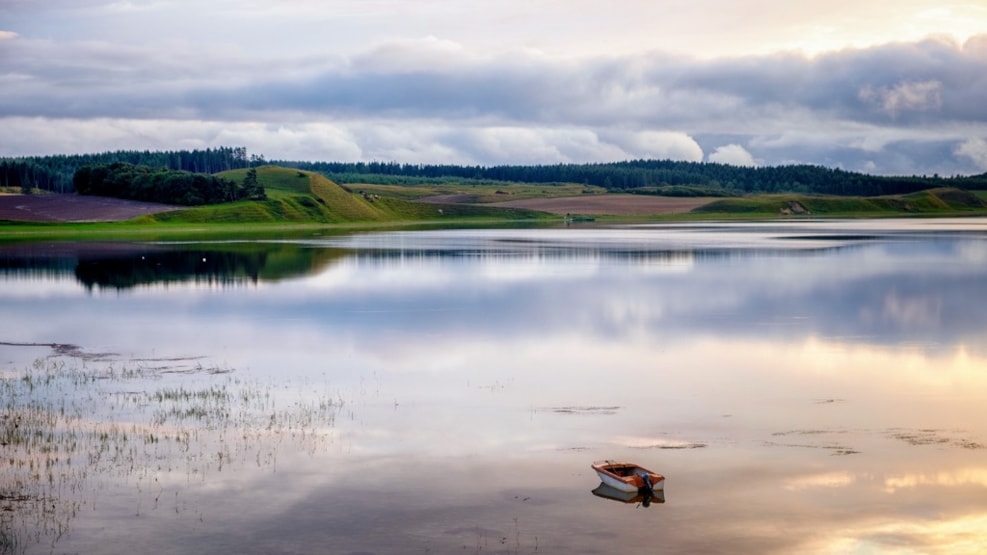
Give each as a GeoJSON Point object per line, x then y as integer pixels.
{"type": "Point", "coordinates": [617, 205]}
{"type": "Point", "coordinates": [78, 208]}
{"type": "Point", "coordinates": [74, 208]}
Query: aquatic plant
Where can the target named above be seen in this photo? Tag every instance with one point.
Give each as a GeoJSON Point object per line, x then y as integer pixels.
{"type": "Point", "coordinates": [67, 423]}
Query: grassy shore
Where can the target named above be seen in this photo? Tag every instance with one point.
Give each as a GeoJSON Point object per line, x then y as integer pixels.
{"type": "Point", "coordinates": [299, 204]}
{"type": "Point", "coordinates": [933, 202]}
{"type": "Point", "coordinates": [304, 203]}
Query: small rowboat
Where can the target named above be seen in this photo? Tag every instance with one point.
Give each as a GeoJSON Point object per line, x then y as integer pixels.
{"type": "Point", "coordinates": [628, 477]}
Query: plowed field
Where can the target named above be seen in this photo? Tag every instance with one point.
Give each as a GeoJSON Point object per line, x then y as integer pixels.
{"type": "Point", "coordinates": [617, 205]}
{"type": "Point", "coordinates": [74, 208]}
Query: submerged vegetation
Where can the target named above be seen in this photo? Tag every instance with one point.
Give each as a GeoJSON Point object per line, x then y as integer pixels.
{"type": "Point", "coordinates": [69, 424]}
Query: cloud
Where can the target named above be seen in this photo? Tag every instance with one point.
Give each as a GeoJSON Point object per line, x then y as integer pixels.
{"type": "Point", "coordinates": [527, 145]}
{"type": "Point", "coordinates": [410, 56]}
{"type": "Point", "coordinates": [895, 85]}
{"type": "Point", "coordinates": [905, 96]}
{"type": "Point", "coordinates": [651, 144]}
{"type": "Point", "coordinates": [732, 154]}
{"type": "Point", "coordinates": [7, 35]}
{"type": "Point", "coordinates": [976, 150]}
{"type": "Point", "coordinates": [420, 141]}
{"type": "Point", "coordinates": [898, 107]}
{"type": "Point", "coordinates": [580, 28]}
{"type": "Point", "coordinates": [305, 141]}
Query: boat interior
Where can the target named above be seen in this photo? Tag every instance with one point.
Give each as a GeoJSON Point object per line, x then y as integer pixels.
{"type": "Point", "coordinates": [625, 471]}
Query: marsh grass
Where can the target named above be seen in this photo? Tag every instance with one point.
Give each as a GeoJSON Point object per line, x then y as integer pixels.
{"type": "Point", "coordinates": [69, 426]}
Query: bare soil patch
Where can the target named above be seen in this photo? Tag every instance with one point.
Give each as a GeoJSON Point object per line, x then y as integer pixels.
{"type": "Point", "coordinates": [447, 199]}
{"type": "Point", "coordinates": [74, 208]}
{"type": "Point", "coordinates": [610, 204]}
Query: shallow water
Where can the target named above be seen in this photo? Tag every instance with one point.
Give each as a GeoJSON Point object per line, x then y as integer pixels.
{"type": "Point", "coordinates": [805, 387]}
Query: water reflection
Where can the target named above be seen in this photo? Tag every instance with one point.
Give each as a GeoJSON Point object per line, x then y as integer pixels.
{"type": "Point", "coordinates": [644, 499]}
{"type": "Point", "coordinates": [123, 266]}
{"type": "Point", "coordinates": [805, 389]}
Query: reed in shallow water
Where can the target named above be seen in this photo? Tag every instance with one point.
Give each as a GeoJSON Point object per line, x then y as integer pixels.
{"type": "Point", "coordinates": [68, 425]}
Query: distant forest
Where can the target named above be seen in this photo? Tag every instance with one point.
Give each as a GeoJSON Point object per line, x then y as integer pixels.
{"type": "Point", "coordinates": [665, 177]}
{"type": "Point", "coordinates": [55, 173]}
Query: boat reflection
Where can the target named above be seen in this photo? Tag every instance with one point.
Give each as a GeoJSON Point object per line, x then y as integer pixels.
{"type": "Point", "coordinates": [642, 497]}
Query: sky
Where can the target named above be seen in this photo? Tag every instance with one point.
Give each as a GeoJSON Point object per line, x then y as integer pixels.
{"type": "Point", "coordinates": [896, 87]}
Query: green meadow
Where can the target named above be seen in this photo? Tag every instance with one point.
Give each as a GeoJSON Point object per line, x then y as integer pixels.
{"type": "Point", "coordinates": [301, 197]}
{"type": "Point", "coordinates": [301, 203]}
{"type": "Point", "coordinates": [931, 202]}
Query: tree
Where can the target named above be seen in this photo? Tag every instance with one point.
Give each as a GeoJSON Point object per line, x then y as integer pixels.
{"type": "Point", "coordinates": [124, 180]}
{"type": "Point", "coordinates": [252, 189]}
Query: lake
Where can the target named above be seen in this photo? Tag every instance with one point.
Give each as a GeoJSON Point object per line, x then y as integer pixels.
{"type": "Point", "coordinates": [811, 387]}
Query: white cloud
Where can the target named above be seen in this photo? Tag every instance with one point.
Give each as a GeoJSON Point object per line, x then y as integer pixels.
{"type": "Point", "coordinates": [7, 35]}
{"type": "Point", "coordinates": [732, 154]}
{"type": "Point", "coordinates": [417, 141]}
{"type": "Point", "coordinates": [410, 142]}
{"type": "Point", "coordinates": [660, 145]}
{"type": "Point", "coordinates": [306, 141]}
{"type": "Point", "coordinates": [976, 150]}
{"type": "Point", "coordinates": [128, 7]}
{"type": "Point", "coordinates": [407, 56]}
{"type": "Point", "coordinates": [502, 145]}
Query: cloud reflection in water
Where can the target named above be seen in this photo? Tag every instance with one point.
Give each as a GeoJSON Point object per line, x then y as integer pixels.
{"type": "Point", "coordinates": [835, 384]}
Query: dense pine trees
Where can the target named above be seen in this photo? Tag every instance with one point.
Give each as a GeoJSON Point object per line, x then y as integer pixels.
{"type": "Point", "coordinates": [122, 180]}
{"type": "Point", "coordinates": [658, 176]}
{"type": "Point", "coordinates": [55, 173]}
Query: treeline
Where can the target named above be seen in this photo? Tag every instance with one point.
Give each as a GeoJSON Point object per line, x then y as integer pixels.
{"type": "Point", "coordinates": [26, 176]}
{"type": "Point", "coordinates": [55, 173]}
{"type": "Point", "coordinates": [652, 175]}
{"type": "Point", "coordinates": [128, 181]}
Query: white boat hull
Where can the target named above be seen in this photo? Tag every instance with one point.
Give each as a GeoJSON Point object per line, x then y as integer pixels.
{"type": "Point", "coordinates": [621, 485]}
{"type": "Point", "coordinates": [616, 484]}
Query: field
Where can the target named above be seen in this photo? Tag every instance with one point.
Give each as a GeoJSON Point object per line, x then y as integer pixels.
{"type": "Point", "coordinates": [74, 208]}
{"type": "Point", "coordinates": [611, 204]}
{"type": "Point", "coordinates": [306, 198]}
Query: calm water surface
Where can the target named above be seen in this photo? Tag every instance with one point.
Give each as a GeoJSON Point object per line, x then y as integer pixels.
{"type": "Point", "coordinates": [813, 387]}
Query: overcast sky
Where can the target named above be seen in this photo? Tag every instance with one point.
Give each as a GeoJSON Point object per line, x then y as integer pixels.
{"type": "Point", "coordinates": [881, 86]}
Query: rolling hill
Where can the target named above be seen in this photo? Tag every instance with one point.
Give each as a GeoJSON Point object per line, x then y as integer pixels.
{"type": "Point", "coordinates": [297, 196]}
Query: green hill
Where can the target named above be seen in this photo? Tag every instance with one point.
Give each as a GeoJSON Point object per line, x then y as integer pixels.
{"type": "Point", "coordinates": [931, 201]}
{"type": "Point", "coordinates": [296, 196]}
